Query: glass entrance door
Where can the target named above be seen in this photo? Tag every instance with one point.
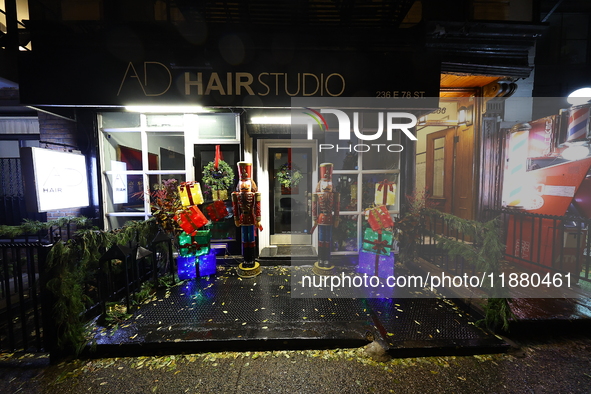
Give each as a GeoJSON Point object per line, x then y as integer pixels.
{"type": "Point", "coordinates": [290, 188]}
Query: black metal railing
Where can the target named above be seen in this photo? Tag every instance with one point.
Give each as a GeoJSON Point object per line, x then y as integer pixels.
{"type": "Point", "coordinates": [533, 242]}
{"type": "Point", "coordinates": [20, 295]}
{"type": "Point", "coordinates": [436, 225]}
{"type": "Point", "coordinates": [547, 243]}
{"type": "Point", "coordinates": [26, 306]}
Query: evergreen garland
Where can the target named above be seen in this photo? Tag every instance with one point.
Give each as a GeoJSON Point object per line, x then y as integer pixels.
{"type": "Point", "coordinates": [66, 285]}
{"type": "Point", "coordinates": [72, 266]}
{"type": "Point", "coordinates": [32, 227]}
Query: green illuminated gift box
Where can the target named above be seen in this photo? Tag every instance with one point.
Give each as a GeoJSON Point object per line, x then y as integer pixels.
{"type": "Point", "coordinates": [375, 257]}
{"type": "Point", "coordinates": [377, 243]}
{"type": "Point", "coordinates": [194, 245]}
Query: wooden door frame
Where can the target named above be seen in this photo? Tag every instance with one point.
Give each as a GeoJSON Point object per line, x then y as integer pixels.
{"type": "Point", "coordinates": [443, 203]}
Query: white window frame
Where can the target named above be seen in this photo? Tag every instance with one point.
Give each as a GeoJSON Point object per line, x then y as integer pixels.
{"type": "Point", "coordinates": [190, 132]}
{"type": "Point", "coordinates": [360, 212]}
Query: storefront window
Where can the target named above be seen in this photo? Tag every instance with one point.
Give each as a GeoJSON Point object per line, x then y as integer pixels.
{"type": "Point", "coordinates": [366, 174]}
{"type": "Point", "coordinates": [380, 189]}
{"type": "Point", "coordinates": [140, 151]}
{"type": "Point", "coordinates": [122, 147]}
{"type": "Point", "coordinates": [344, 237]}
{"type": "Point", "coordinates": [388, 156]}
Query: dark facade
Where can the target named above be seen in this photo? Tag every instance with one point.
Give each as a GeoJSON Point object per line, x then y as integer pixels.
{"type": "Point", "coordinates": [88, 62]}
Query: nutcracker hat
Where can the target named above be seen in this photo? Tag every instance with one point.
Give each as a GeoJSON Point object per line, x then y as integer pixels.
{"type": "Point", "coordinates": [326, 172]}
{"type": "Point", "coordinates": [244, 170]}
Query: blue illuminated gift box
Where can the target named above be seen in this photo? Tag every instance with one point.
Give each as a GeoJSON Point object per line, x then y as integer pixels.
{"type": "Point", "coordinates": [376, 264]}
{"type": "Point", "coordinates": [207, 263]}
{"type": "Point", "coordinates": [186, 267]}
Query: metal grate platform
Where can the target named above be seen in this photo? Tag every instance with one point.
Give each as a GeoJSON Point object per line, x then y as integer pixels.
{"type": "Point", "coordinates": [228, 312]}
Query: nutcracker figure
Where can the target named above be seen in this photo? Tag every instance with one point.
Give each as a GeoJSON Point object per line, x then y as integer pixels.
{"type": "Point", "coordinates": [246, 201]}
{"type": "Point", "coordinates": [325, 215]}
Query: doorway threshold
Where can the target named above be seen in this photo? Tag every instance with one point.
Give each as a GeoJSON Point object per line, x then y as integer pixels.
{"type": "Point", "coordinates": [288, 252]}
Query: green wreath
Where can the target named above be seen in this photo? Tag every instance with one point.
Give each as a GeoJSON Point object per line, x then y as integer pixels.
{"type": "Point", "coordinates": [289, 175]}
{"type": "Point", "coordinates": [220, 179]}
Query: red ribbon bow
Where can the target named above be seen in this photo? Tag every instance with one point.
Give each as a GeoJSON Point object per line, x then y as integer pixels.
{"type": "Point", "coordinates": [385, 182]}
{"type": "Point", "coordinates": [188, 185]}
{"type": "Point", "coordinates": [379, 246]}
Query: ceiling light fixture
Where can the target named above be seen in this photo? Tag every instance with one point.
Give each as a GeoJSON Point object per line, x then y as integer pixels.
{"type": "Point", "coordinates": [166, 109]}
{"type": "Point", "coordinates": [270, 120]}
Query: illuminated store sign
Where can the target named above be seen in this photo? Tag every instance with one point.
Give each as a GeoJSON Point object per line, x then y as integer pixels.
{"type": "Point", "coordinates": [187, 78]}
{"type": "Point", "coordinates": [59, 179]}
{"type": "Point", "coordinates": [234, 83]}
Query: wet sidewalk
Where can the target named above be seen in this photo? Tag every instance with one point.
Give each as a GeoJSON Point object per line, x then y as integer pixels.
{"type": "Point", "coordinates": [572, 309]}
{"type": "Point", "coordinates": [226, 312]}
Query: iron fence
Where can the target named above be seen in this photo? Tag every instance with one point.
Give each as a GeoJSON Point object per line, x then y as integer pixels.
{"type": "Point", "coordinates": [533, 242]}
{"type": "Point", "coordinates": [26, 306]}
{"type": "Point", "coordinates": [435, 226]}
{"type": "Point", "coordinates": [547, 243]}
{"type": "Point", "coordinates": [20, 295]}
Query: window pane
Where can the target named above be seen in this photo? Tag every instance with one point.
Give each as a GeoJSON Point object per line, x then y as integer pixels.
{"type": "Point", "coordinates": [166, 150]}
{"type": "Point", "coordinates": [165, 120]}
{"type": "Point", "coordinates": [114, 120]}
{"type": "Point", "coordinates": [387, 158]}
{"type": "Point", "coordinates": [9, 149]}
{"type": "Point", "coordinates": [380, 189]}
{"type": "Point", "coordinates": [439, 143]}
{"type": "Point", "coordinates": [156, 180]}
{"type": "Point", "coordinates": [289, 203]}
{"type": "Point", "coordinates": [346, 186]}
{"type": "Point", "coordinates": [438, 167]}
{"type": "Point", "coordinates": [124, 193]}
{"type": "Point", "coordinates": [342, 155]}
{"type": "Point", "coordinates": [119, 221]}
{"type": "Point", "coordinates": [344, 236]}
{"type": "Point", "coordinates": [217, 126]}
{"type": "Point", "coordinates": [125, 147]}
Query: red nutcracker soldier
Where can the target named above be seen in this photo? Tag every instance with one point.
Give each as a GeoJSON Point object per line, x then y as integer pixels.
{"type": "Point", "coordinates": [325, 214]}
{"type": "Point", "coordinates": [246, 201]}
